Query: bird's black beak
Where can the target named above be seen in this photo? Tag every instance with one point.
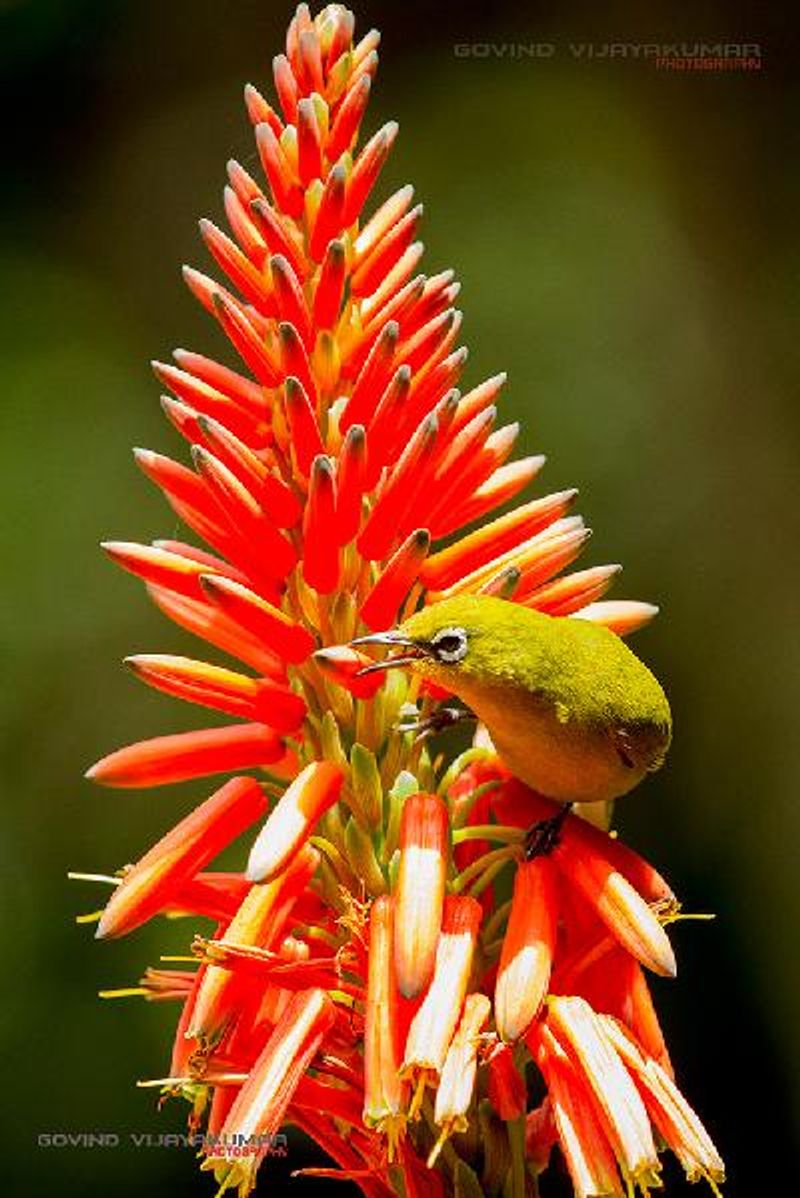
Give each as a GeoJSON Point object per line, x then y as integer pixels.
{"type": "Point", "coordinates": [394, 640]}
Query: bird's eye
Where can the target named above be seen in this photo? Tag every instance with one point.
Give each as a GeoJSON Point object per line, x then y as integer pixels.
{"type": "Point", "coordinates": [450, 645]}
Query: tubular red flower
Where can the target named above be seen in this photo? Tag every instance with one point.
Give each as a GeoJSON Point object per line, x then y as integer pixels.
{"type": "Point", "coordinates": [148, 886]}
{"type": "Point", "coordinates": [166, 759]}
{"type": "Point", "coordinates": [344, 665]}
{"type": "Point", "coordinates": [528, 948]}
{"type": "Point", "coordinates": [384, 1092]}
{"type": "Point", "coordinates": [400, 572]}
{"type": "Point", "coordinates": [419, 894]}
{"type": "Point", "coordinates": [436, 1020]}
{"type": "Point", "coordinates": [621, 1109]}
{"type": "Point", "coordinates": [342, 482]}
{"type": "Point", "coordinates": [290, 823]}
{"type": "Point", "coordinates": [258, 618]}
{"type": "Point", "coordinates": [225, 690]}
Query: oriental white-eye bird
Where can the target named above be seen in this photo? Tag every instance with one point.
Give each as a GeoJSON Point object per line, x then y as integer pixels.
{"type": "Point", "coordinates": [570, 709]}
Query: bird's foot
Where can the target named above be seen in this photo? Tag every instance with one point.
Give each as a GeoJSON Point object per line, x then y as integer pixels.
{"type": "Point", "coordinates": [542, 838]}
{"type": "Point", "coordinates": [438, 721]}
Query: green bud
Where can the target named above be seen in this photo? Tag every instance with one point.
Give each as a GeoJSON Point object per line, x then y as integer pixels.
{"type": "Point", "coordinates": [405, 784]}
{"type": "Point", "coordinates": [361, 857]}
{"type": "Point", "coordinates": [365, 784]}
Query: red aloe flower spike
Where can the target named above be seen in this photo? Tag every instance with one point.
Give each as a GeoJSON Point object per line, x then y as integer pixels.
{"type": "Point", "coordinates": [166, 759]}
{"type": "Point", "coordinates": [419, 895]}
{"type": "Point", "coordinates": [191, 844]}
{"type": "Point", "coordinates": [340, 482]}
{"type": "Point", "coordinates": [260, 922]}
{"type": "Point", "coordinates": [290, 823]}
{"type": "Point", "coordinates": [261, 1104]}
{"type": "Point", "coordinates": [384, 1092]}
{"type": "Point", "coordinates": [528, 949]}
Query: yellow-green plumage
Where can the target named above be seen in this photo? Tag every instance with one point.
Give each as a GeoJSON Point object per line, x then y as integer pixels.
{"type": "Point", "coordinates": [570, 709]}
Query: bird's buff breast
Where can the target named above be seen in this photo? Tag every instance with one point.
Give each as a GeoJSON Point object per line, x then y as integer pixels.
{"type": "Point", "coordinates": [558, 757]}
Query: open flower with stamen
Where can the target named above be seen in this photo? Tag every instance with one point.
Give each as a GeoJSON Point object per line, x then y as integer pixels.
{"type": "Point", "coordinates": [384, 971]}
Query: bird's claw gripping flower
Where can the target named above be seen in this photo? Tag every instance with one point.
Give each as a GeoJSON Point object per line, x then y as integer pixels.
{"type": "Point", "coordinates": [368, 979]}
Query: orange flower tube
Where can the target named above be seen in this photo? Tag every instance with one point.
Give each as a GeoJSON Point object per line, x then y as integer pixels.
{"type": "Point", "coordinates": [178, 856]}
{"type": "Point", "coordinates": [419, 897]}
{"type": "Point", "coordinates": [290, 824]}
{"type": "Point", "coordinates": [528, 948]}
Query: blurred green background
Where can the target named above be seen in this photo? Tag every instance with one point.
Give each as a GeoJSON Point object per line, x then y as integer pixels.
{"type": "Point", "coordinates": [627, 244]}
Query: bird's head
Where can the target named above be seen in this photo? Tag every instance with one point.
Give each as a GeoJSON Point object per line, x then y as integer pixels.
{"type": "Point", "coordinates": [468, 636]}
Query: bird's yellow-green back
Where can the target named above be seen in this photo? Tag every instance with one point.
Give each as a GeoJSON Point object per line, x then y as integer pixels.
{"type": "Point", "coordinates": [569, 706]}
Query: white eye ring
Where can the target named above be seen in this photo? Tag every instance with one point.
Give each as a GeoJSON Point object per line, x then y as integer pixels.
{"type": "Point", "coordinates": [450, 645]}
